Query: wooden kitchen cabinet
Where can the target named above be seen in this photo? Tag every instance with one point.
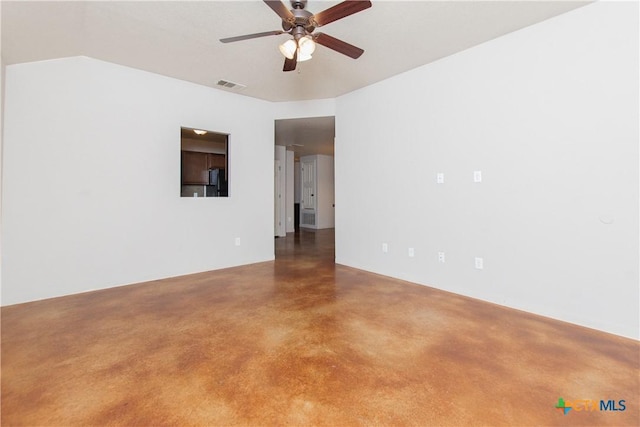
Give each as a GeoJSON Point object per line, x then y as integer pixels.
{"type": "Point", "coordinates": [216, 161]}
{"type": "Point", "coordinates": [196, 165]}
{"type": "Point", "coordinates": [195, 168]}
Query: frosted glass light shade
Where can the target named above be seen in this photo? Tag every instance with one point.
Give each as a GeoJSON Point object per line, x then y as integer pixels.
{"type": "Point", "coordinates": [302, 57]}
{"type": "Point", "coordinates": [307, 46]}
{"type": "Point", "coordinates": [288, 48]}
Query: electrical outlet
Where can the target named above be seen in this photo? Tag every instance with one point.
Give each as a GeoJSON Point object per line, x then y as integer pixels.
{"type": "Point", "coordinates": [479, 263]}
{"type": "Point", "coordinates": [440, 178]}
{"type": "Point", "coordinates": [412, 253]}
{"type": "Point", "coordinates": [477, 176]}
{"type": "Point", "coordinates": [237, 241]}
{"type": "Point", "coordinates": [385, 248]}
{"type": "Point", "coordinates": [441, 257]}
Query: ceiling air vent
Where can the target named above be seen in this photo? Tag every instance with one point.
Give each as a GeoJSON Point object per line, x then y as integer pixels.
{"type": "Point", "coordinates": [230, 85]}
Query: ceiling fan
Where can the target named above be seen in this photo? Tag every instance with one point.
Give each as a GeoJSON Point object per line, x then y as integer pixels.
{"type": "Point", "coordinates": [301, 23]}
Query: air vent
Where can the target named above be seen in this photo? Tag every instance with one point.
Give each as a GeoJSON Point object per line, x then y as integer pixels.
{"type": "Point", "coordinates": [230, 85]}
{"type": "Point", "coordinates": [309, 218]}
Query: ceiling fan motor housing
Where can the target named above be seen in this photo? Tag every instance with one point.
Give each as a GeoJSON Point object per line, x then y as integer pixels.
{"type": "Point", "coordinates": [302, 18]}
{"type": "Point", "coordinates": [298, 4]}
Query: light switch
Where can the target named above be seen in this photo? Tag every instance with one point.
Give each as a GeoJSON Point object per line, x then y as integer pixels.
{"type": "Point", "coordinates": [477, 176]}
{"type": "Point", "coordinates": [479, 263]}
{"type": "Point", "coordinates": [440, 256]}
{"type": "Point", "coordinates": [440, 178]}
{"type": "Point", "coordinates": [412, 253]}
{"type": "Point", "coordinates": [385, 248]}
{"type": "Point", "coordinates": [237, 241]}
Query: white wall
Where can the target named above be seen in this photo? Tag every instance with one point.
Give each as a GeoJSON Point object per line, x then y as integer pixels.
{"type": "Point", "coordinates": [289, 190]}
{"type": "Point", "coordinates": [2, 73]}
{"type": "Point", "coordinates": [549, 114]}
{"type": "Point", "coordinates": [326, 193]}
{"type": "Point", "coordinates": [2, 81]}
{"type": "Point", "coordinates": [296, 182]}
{"type": "Point", "coordinates": [281, 192]}
{"type": "Point", "coordinates": [91, 188]}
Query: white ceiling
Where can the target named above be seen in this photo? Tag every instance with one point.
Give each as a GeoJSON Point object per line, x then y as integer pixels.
{"type": "Point", "coordinates": [180, 39]}
{"type": "Point", "coordinates": [313, 135]}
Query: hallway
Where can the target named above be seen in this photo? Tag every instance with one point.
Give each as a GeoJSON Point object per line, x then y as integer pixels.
{"type": "Point", "coordinates": [302, 341]}
{"type": "Point", "coordinates": [316, 245]}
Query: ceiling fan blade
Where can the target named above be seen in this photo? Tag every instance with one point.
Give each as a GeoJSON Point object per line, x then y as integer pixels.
{"type": "Point", "coordinates": [338, 45]}
{"type": "Point", "coordinates": [278, 7]}
{"type": "Point", "coordinates": [339, 11]}
{"type": "Point", "coordinates": [290, 64]}
{"type": "Point", "coordinates": [251, 36]}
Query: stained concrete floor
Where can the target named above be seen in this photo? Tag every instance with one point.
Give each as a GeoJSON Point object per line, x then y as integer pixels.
{"type": "Point", "coordinates": [301, 341]}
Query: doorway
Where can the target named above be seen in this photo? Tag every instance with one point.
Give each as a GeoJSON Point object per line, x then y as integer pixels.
{"type": "Point", "coordinates": [304, 196]}
{"type": "Point", "coordinates": [308, 190]}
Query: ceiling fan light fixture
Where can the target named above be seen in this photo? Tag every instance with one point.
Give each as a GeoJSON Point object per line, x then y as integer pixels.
{"type": "Point", "coordinates": [288, 48]}
{"type": "Point", "coordinates": [300, 23]}
{"type": "Point", "coordinates": [306, 45]}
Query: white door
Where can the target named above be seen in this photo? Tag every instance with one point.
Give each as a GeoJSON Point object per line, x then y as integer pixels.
{"type": "Point", "coordinates": [308, 202]}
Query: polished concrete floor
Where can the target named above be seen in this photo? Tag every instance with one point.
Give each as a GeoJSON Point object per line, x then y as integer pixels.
{"type": "Point", "coordinates": [301, 341]}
